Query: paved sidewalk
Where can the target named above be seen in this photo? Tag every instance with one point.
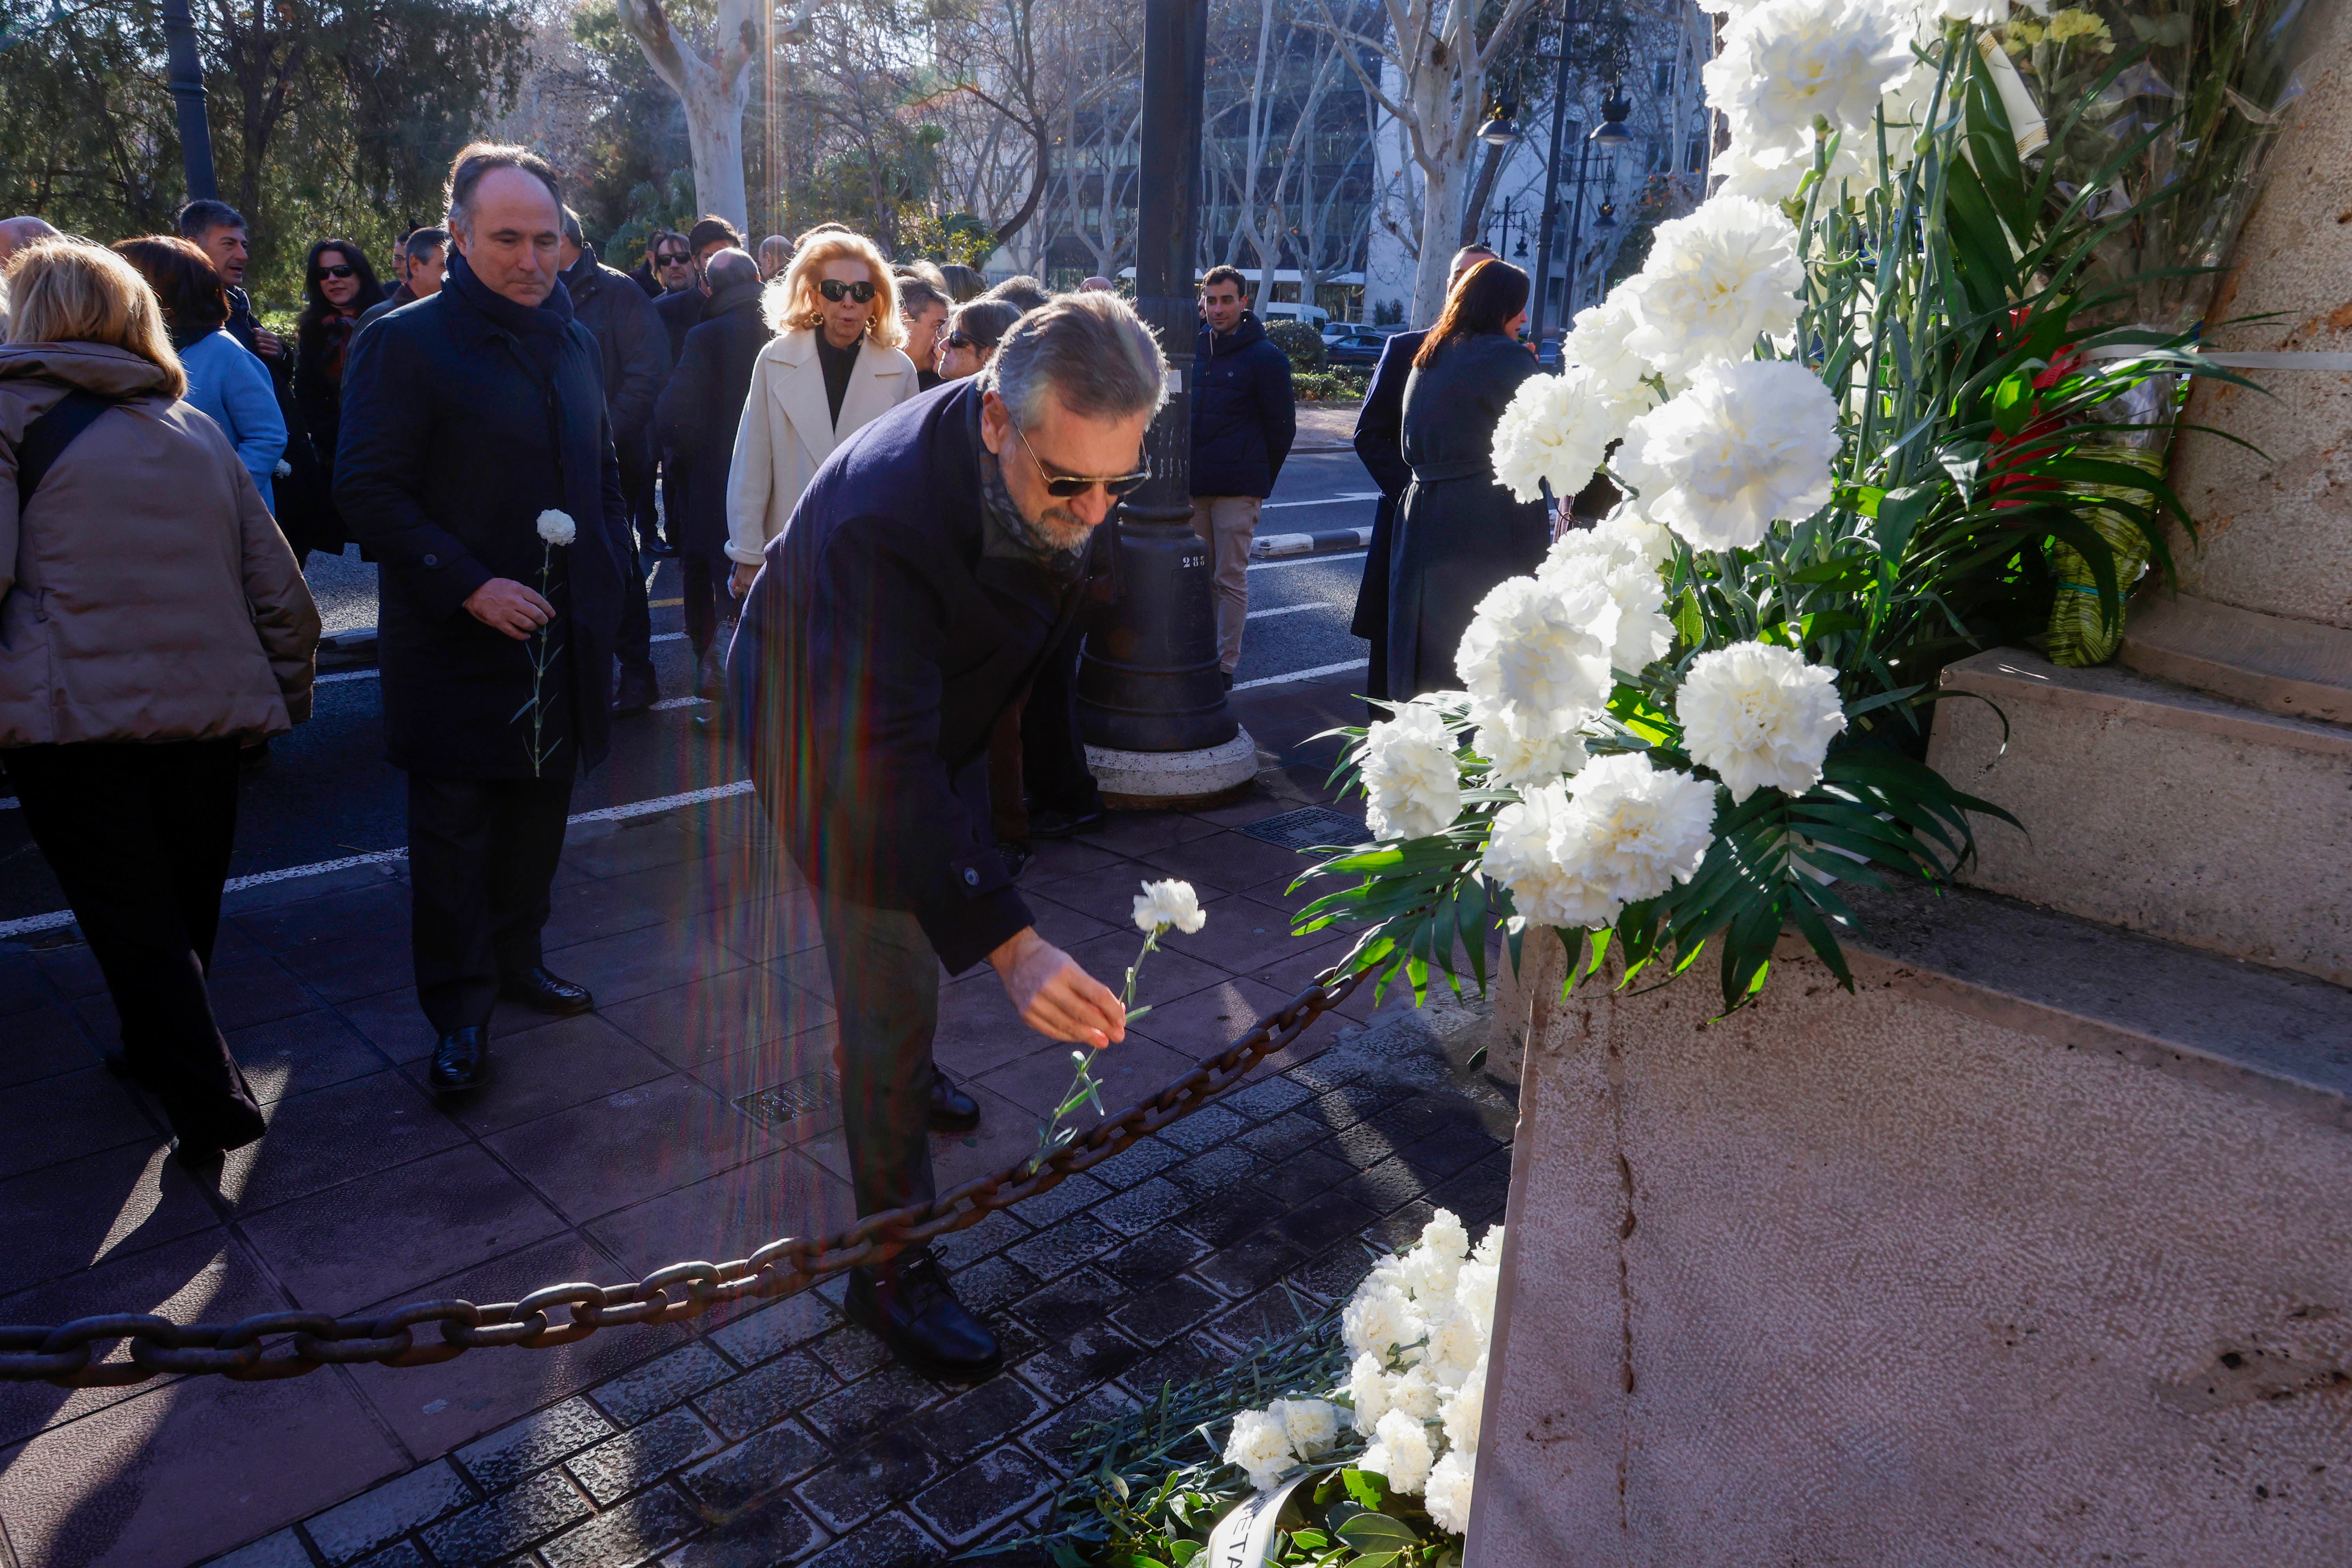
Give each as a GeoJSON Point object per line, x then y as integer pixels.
{"type": "Point", "coordinates": [688, 1118]}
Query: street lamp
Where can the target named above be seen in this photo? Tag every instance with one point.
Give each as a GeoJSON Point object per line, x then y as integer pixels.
{"type": "Point", "coordinates": [1551, 184]}
{"type": "Point", "coordinates": [1152, 701]}
{"type": "Point", "coordinates": [1607, 137]}
{"type": "Point", "coordinates": [1500, 131]}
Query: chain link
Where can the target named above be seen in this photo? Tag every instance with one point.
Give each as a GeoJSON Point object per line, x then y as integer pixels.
{"type": "Point", "coordinates": [72, 1355]}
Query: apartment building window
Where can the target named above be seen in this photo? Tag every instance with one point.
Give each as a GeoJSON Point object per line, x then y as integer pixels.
{"type": "Point", "coordinates": [1663, 77]}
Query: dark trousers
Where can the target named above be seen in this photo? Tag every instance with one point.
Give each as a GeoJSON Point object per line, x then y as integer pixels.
{"type": "Point", "coordinates": [139, 835]}
{"type": "Point", "coordinates": [633, 644]}
{"type": "Point", "coordinates": [709, 608]}
{"type": "Point", "coordinates": [885, 994]}
{"type": "Point", "coordinates": [1053, 753]}
{"type": "Point", "coordinates": [481, 858]}
{"type": "Point", "coordinates": [639, 487]}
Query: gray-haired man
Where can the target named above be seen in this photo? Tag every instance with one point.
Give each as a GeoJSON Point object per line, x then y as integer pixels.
{"type": "Point", "coordinates": [930, 568]}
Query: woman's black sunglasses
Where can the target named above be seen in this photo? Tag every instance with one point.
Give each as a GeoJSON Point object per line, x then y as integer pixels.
{"type": "Point", "coordinates": [337, 271]}
{"type": "Point", "coordinates": [1070, 486]}
{"type": "Point", "coordinates": [957, 341]}
{"type": "Point", "coordinates": [834, 289]}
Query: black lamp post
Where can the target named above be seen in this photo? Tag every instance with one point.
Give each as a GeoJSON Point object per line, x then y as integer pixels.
{"type": "Point", "coordinates": [1551, 187]}
{"type": "Point", "coordinates": [1607, 137]}
{"type": "Point", "coordinates": [1148, 676]}
{"type": "Point", "coordinates": [185, 72]}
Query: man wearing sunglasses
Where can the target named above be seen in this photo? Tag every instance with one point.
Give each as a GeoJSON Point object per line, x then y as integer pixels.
{"type": "Point", "coordinates": [926, 574]}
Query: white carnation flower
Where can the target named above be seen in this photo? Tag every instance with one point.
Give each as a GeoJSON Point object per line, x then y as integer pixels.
{"type": "Point", "coordinates": [1377, 1321]}
{"type": "Point", "coordinates": [1633, 584]}
{"type": "Point", "coordinates": [1450, 1484]}
{"type": "Point", "coordinates": [1771, 175]}
{"type": "Point", "coordinates": [1415, 1393]}
{"type": "Point", "coordinates": [1443, 1236]}
{"type": "Point", "coordinates": [1412, 785]}
{"type": "Point", "coordinates": [1260, 1445]}
{"type": "Point", "coordinates": [1490, 1247]}
{"type": "Point", "coordinates": [284, 471]}
{"type": "Point", "coordinates": [557, 527]}
{"type": "Point", "coordinates": [1313, 1425]}
{"type": "Point", "coordinates": [1467, 1410]}
{"type": "Point", "coordinates": [1519, 855]}
{"type": "Point", "coordinates": [1541, 650]}
{"type": "Point", "coordinates": [1172, 903]}
{"type": "Point", "coordinates": [1631, 533]}
{"type": "Point", "coordinates": [1474, 1292]}
{"type": "Point", "coordinates": [1388, 1269]}
{"type": "Point", "coordinates": [1760, 716]}
{"type": "Point", "coordinates": [1714, 283]}
{"type": "Point", "coordinates": [1368, 1391]}
{"type": "Point", "coordinates": [1747, 443]}
{"type": "Point", "coordinates": [1634, 829]}
{"type": "Point", "coordinates": [1430, 1272]}
{"type": "Point", "coordinates": [1456, 1340]}
{"type": "Point", "coordinates": [1979, 13]}
{"type": "Point", "coordinates": [1404, 1453]}
{"type": "Point", "coordinates": [1785, 62]}
{"type": "Point", "coordinates": [1524, 758]}
{"type": "Point", "coordinates": [1555, 432]}
{"type": "Point", "coordinates": [1596, 343]}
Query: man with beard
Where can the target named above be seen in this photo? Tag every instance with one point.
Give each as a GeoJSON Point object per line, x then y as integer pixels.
{"type": "Point", "coordinates": [924, 575]}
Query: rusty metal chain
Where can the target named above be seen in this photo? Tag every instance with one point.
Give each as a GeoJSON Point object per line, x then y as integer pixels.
{"type": "Point", "coordinates": [288, 1344]}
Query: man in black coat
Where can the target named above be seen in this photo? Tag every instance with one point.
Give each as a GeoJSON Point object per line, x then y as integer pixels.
{"type": "Point", "coordinates": [695, 423]}
{"type": "Point", "coordinates": [476, 414]}
{"type": "Point", "coordinates": [682, 310]}
{"type": "Point", "coordinates": [1379, 444]}
{"type": "Point", "coordinates": [929, 567]}
{"type": "Point", "coordinates": [1244, 420]}
{"type": "Point", "coordinates": [636, 361]}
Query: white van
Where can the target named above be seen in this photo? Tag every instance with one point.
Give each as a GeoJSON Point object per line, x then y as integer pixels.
{"type": "Point", "coordinates": [1291, 310]}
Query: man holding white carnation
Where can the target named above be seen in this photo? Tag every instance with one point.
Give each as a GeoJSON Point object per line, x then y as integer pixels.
{"type": "Point", "coordinates": [477, 467]}
{"type": "Point", "coordinates": [924, 577]}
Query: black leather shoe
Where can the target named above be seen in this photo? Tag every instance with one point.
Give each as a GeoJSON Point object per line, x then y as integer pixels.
{"type": "Point", "coordinates": [462, 1059]}
{"type": "Point", "coordinates": [710, 673]}
{"type": "Point", "coordinates": [654, 550]}
{"type": "Point", "coordinates": [540, 991]}
{"type": "Point", "coordinates": [1052, 823]}
{"type": "Point", "coordinates": [635, 691]}
{"type": "Point", "coordinates": [911, 1307]}
{"type": "Point", "coordinates": [953, 1111]}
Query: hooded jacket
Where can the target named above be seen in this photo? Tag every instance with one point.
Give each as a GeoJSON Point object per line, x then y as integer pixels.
{"type": "Point", "coordinates": [145, 594]}
{"type": "Point", "coordinates": [634, 350]}
{"type": "Point", "coordinates": [1243, 415]}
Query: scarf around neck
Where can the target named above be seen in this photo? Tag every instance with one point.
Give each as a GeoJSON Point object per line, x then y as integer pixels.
{"type": "Point", "coordinates": [1004, 533]}
{"type": "Point", "coordinates": [545, 319]}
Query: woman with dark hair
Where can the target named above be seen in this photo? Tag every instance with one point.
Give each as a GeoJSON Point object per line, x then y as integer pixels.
{"type": "Point", "coordinates": [224, 379]}
{"type": "Point", "coordinates": [337, 286]}
{"type": "Point", "coordinates": [1458, 533]}
{"type": "Point", "coordinates": [972, 336]}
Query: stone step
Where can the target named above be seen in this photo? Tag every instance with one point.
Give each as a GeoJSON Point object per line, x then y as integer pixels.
{"type": "Point", "coordinates": [2036, 1246]}
{"type": "Point", "coordinates": [2156, 808]}
{"type": "Point", "coordinates": [2301, 669]}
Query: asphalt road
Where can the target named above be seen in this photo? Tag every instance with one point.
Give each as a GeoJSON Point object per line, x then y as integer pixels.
{"type": "Point", "coordinates": [326, 794]}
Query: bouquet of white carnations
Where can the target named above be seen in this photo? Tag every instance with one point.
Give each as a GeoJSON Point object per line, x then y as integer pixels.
{"type": "Point", "coordinates": [1853, 401]}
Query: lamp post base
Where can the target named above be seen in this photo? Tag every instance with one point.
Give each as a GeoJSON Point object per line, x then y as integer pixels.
{"type": "Point", "coordinates": [1171, 781]}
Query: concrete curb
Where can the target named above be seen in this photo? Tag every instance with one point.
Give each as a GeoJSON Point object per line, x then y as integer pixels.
{"type": "Point", "coordinates": [1274, 546]}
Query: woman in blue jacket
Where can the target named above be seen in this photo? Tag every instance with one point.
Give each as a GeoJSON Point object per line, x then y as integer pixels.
{"type": "Point", "coordinates": [225, 379]}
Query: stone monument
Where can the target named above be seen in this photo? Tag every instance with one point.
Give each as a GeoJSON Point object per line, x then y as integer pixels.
{"type": "Point", "coordinates": [2040, 1247]}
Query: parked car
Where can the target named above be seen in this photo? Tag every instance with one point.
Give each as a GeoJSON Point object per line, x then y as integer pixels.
{"type": "Point", "coordinates": [1358, 347]}
{"type": "Point", "coordinates": [1313, 315]}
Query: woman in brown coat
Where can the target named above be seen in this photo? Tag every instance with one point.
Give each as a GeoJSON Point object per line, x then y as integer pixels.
{"type": "Point", "coordinates": [150, 615]}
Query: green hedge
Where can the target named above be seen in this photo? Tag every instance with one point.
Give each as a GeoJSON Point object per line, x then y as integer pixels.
{"type": "Point", "coordinates": [1333, 385]}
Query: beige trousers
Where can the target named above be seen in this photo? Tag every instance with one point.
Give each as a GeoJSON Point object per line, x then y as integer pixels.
{"type": "Point", "coordinates": [1227, 523]}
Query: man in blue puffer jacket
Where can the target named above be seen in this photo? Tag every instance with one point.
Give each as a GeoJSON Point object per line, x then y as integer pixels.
{"type": "Point", "coordinates": [1243, 419]}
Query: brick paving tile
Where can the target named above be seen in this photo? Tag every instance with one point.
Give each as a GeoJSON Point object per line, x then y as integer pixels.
{"type": "Point", "coordinates": [350, 1531]}
{"type": "Point", "coordinates": [866, 1407]}
{"type": "Point", "coordinates": [637, 1532]}
{"type": "Point", "coordinates": [283, 1550]}
{"type": "Point", "coordinates": [851, 1353]}
{"type": "Point", "coordinates": [1054, 1439]}
{"type": "Point", "coordinates": [1057, 1249]}
{"type": "Point", "coordinates": [1072, 1362]}
{"type": "Point", "coordinates": [1149, 1258]}
{"type": "Point", "coordinates": [661, 1382]}
{"type": "Point", "coordinates": [992, 1283]}
{"type": "Point", "coordinates": [960, 1249]}
{"type": "Point", "coordinates": [1059, 1201]}
{"type": "Point", "coordinates": [891, 1469]}
{"type": "Point", "coordinates": [400, 1554]}
{"type": "Point", "coordinates": [1209, 1124]}
{"type": "Point", "coordinates": [1268, 1098]}
{"type": "Point", "coordinates": [774, 1533]}
{"type": "Point", "coordinates": [971, 1421]}
{"type": "Point", "coordinates": [1135, 1163]}
{"type": "Point", "coordinates": [508, 1521]}
{"type": "Point", "coordinates": [734, 1479]}
{"type": "Point", "coordinates": [534, 1443]}
{"type": "Point", "coordinates": [980, 1495]}
{"type": "Point", "coordinates": [772, 1331]}
{"type": "Point", "coordinates": [1160, 1315]}
{"type": "Point", "coordinates": [889, 1542]}
{"type": "Point", "coordinates": [767, 1393]}
{"type": "Point", "coordinates": [619, 1466]}
{"type": "Point", "coordinates": [1211, 1173]}
{"type": "Point", "coordinates": [1249, 1266]}
{"type": "Point", "coordinates": [1144, 1207]}
{"type": "Point", "coordinates": [1180, 1360]}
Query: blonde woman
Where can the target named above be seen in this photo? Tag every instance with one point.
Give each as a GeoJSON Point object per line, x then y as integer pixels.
{"type": "Point", "coordinates": [151, 616]}
{"type": "Point", "coordinates": [833, 368]}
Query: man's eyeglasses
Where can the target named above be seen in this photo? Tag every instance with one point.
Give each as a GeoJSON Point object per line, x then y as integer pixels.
{"type": "Point", "coordinates": [672, 259]}
{"type": "Point", "coordinates": [1070, 486]}
{"type": "Point", "coordinates": [835, 291]}
{"type": "Point", "coordinates": [337, 271]}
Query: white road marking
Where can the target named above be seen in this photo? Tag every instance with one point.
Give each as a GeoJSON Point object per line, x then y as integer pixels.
{"type": "Point", "coordinates": [1303, 674]}
{"type": "Point", "coordinates": [56, 919]}
{"type": "Point", "coordinates": [1325, 500]}
{"type": "Point", "coordinates": [1303, 559]}
{"type": "Point", "coordinates": [667, 704]}
{"type": "Point", "coordinates": [1290, 610]}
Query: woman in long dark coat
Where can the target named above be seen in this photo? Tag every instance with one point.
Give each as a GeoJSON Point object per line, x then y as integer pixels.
{"type": "Point", "coordinates": [1458, 533]}
{"type": "Point", "coordinates": [337, 286]}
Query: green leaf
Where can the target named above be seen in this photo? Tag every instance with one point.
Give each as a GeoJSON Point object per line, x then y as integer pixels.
{"type": "Point", "coordinates": [1368, 1488]}
{"type": "Point", "coordinates": [2012, 403]}
{"type": "Point", "coordinates": [1369, 1533]}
